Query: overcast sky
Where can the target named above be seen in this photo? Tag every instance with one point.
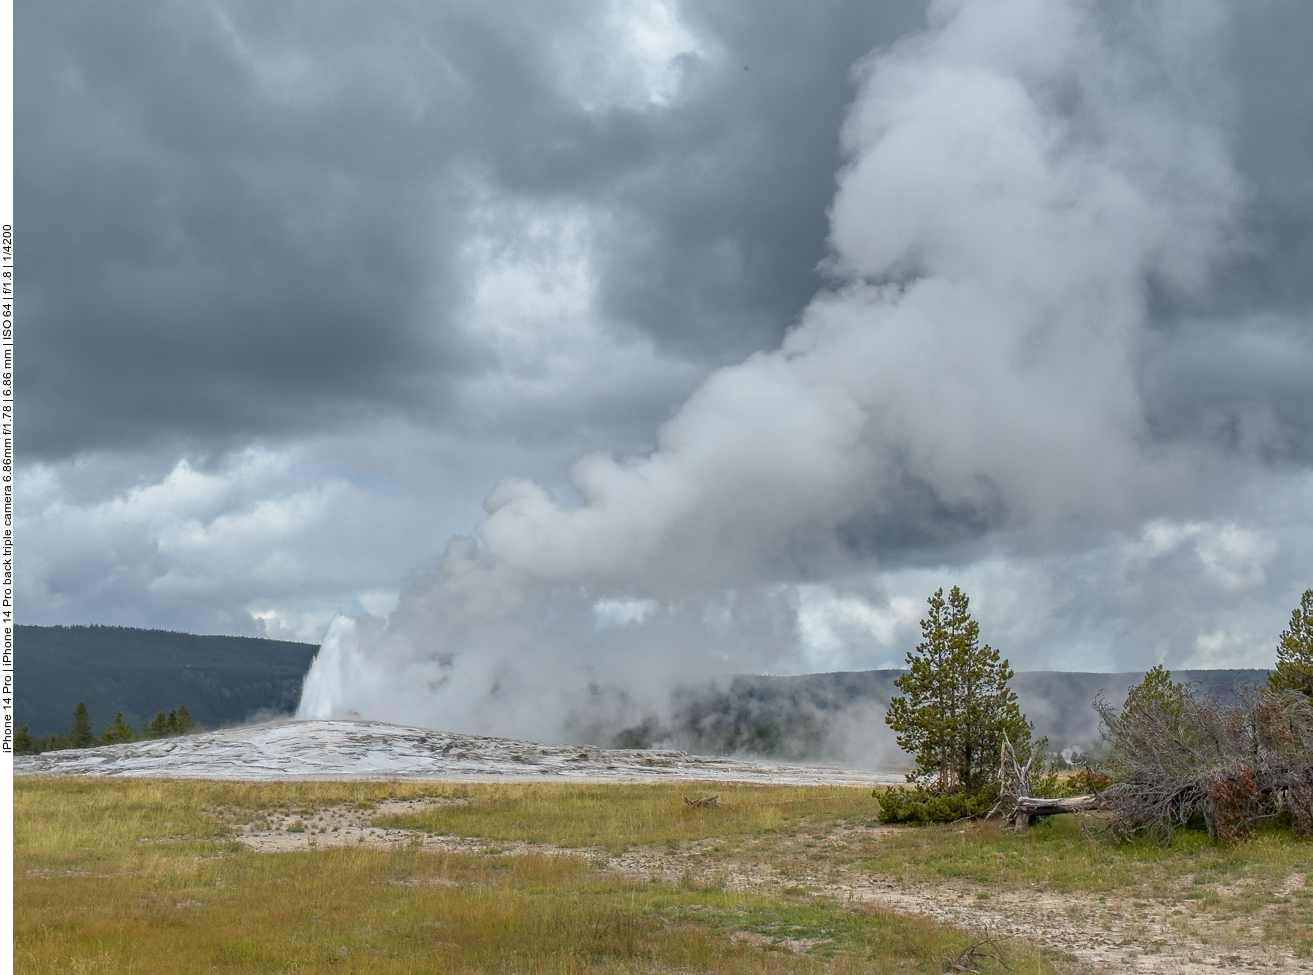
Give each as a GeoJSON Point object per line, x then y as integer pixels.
{"type": "Point", "coordinates": [742, 326]}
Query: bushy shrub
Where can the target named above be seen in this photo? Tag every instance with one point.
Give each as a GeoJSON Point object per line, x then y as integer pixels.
{"type": "Point", "coordinates": [900, 805]}
{"type": "Point", "coordinates": [1083, 782]}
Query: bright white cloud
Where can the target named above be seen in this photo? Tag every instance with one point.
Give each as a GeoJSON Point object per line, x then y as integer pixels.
{"type": "Point", "coordinates": [534, 302]}
{"type": "Point", "coordinates": [629, 57]}
{"type": "Point", "coordinates": [654, 37]}
{"type": "Point", "coordinates": [268, 543]}
{"type": "Point", "coordinates": [613, 613]}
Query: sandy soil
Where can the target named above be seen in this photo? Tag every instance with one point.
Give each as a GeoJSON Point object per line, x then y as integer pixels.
{"type": "Point", "coordinates": [1112, 934]}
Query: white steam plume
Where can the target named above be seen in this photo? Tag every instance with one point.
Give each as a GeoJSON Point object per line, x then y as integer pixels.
{"type": "Point", "coordinates": [1019, 177]}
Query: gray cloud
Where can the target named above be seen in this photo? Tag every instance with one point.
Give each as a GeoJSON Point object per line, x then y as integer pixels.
{"type": "Point", "coordinates": [245, 222]}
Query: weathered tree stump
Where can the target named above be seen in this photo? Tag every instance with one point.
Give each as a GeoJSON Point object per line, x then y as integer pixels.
{"type": "Point", "coordinates": [1028, 808]}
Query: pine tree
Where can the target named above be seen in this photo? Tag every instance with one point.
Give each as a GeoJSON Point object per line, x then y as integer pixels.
{"type": "Point", "coordinates": [179, 721]}
{"type": "Point", "coordinates": [1160, 695]}
{"type": "Point", "coordinates": [118, 732]}
{"type": "Point", "coordinates": [23, 742]}
{"type": "Point", "coordinates": [1295, 651]}
{"type": "Point", "coordinates": [1157, 709]}
{"type": "Point", "coordinates": [956, 706]}
{"type": "Point", "coordinates": [159, 728]}
{"type": "Point", "coordinates": [80, 734]}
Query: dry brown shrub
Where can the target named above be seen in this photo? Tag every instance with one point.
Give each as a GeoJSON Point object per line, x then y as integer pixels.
{"type": "Point", "coordinates": [1178, 756]}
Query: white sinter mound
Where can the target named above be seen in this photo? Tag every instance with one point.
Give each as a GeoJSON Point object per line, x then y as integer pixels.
{"type": "Point", "coordinates": [377, 750]}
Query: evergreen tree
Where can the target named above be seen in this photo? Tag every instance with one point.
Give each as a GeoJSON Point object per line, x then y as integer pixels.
{"type": "Point", "coordinates": [159, 728]}
{"type": "Point", "coordinates": [118, 732]}
{"type": "Point", "coordinates": [1158, 694]}
{"type": "Point", "coordinates": [81, 735]}
{"type": "Point", "coordinates": [1295, 651]}
{"type": "Point", "coordinates": [179, 721]}
{"type": "Point", "coordinates": [176, 722]}
{"type": "Point", "coordinates": [956, 706]}
{"type": "Point", "coordinates": [24, 744]}
{"type": "Point", "coordinates": [1158, 709]}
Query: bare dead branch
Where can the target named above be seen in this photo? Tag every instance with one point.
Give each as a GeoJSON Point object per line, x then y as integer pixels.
{"type": "Point", "coordinates": [990, 949]}
{"type": "Point", "coordinates": [1231, 765]}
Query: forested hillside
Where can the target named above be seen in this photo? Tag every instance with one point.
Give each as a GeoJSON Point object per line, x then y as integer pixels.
{"type": "Point", "coordinates": [219, 679]}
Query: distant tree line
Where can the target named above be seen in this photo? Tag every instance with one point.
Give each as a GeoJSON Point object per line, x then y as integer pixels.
{"type": "Point", "coordinates": [80, 735]}
{"type": "Point", "coordinates": [223, 680]}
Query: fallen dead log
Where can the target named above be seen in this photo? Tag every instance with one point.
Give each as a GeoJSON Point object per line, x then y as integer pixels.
{"type": "Point", "coordinates": [701, 803]}
{"type": "Point", "coordinates": [1029, 808]}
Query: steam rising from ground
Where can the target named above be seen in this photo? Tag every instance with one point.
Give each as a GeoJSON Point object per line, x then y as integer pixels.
{"type": "Point", "coordinates": [1022, 179]}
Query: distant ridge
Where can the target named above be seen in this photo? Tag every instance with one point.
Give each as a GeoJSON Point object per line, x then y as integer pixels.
{"type": "Point", "coordinates": [830, 716]}
{"type": "Point", "coordinates": [222, 680]}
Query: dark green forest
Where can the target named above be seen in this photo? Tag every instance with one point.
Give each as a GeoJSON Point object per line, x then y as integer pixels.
{"type": "Point", "coordinates": [220, 680]}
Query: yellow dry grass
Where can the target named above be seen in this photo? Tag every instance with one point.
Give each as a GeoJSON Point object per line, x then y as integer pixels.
{"type": "Point", "coordinates": [616, 817]}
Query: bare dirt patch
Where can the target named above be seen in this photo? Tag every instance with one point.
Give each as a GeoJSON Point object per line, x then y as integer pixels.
{"type": "Point", "coordinates": [346, 825]}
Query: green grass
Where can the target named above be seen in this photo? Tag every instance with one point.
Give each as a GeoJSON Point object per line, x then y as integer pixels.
{"type": "Point", "coordinates": [1192, 880]}
{"type": "Point", "coordinates": [1067, 853]}
{"type": "Point", "coordinates": [619, 816]}
{"type": "Point", "coordinates": [116, 875]}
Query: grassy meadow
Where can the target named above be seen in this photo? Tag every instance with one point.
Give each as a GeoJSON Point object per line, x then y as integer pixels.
{"type": "Point", "coordinates": [120, 875]}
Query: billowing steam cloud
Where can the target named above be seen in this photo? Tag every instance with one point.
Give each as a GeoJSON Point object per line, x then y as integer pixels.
{"type": "Point", "coordinates": [1022, 179]}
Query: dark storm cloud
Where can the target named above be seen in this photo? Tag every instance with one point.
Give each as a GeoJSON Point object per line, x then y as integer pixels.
{"type": "Point", "coordinates": [733, 211]}
{"type": "Point", "coordinates": [243, 220]}
{"type": "Point", "coordinates": [205, 260]}
{"type": "Point", "coordinates": [1267, 56]}
{"type": "Point", "coordinates": [1229, 365]}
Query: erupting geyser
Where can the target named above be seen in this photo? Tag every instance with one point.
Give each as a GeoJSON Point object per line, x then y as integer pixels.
{"type": "Point", "coordinates": [1015, 177]}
